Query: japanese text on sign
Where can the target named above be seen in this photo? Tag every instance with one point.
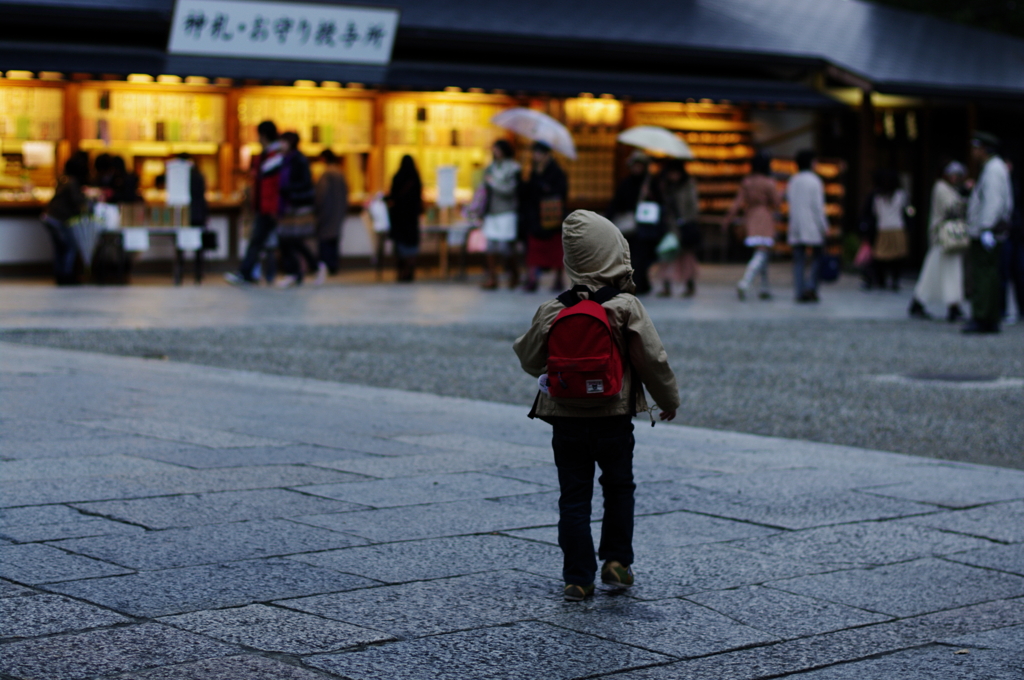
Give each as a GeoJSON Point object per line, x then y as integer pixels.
{"type": "Point", "coordinates": [283, 30]}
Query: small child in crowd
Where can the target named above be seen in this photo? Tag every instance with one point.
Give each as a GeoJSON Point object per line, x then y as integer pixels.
{"type": "Point", "coordinates": [594, 424]}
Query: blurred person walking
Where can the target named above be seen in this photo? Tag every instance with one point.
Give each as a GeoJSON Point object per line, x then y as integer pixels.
{"type": "Point", "coordinates": [297, 218]}
{"type": "Point", "coordinates": [758, 199]}
{"type": "Point", "coordinates": [680, 210]}
{"type": "Point", "coordinates": [542, 207]}
{"type": "Point", "coordinates": [500, 225]}
{"type": "Point", "coordinates": [942, 276]}
{"type": "Point", "coordinates": [636, 188]}
{"type": "Point", "coordinates": [68, 202]}
{"type": "Point", "coordinates": [886, 227]}
{"type": "Point", "coordinates": [331, 210]}
{"type": "Point", "coordinates": [266, 169]}
{"type": "Point", "coordinates": [808, 225]}
{"type": "Point", "coordinates": [989, 210]}
{"type": "Point", "coordinates": [405, 207]}
{"type": "Point", "coordinates": [1012, 265]}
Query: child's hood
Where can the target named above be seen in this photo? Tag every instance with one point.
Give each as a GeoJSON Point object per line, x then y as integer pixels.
{"type": "Point", "coordinates": [596, 253]}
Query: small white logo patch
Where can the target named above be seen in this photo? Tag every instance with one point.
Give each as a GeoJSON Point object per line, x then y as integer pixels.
{"type": "Point", "coordinates": [595, 386]}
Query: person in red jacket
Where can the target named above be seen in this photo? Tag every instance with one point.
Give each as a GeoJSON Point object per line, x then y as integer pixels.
{"type": "Point", "coordinates": [266, 170]}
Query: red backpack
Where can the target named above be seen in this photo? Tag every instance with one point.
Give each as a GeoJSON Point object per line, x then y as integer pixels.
{"type": "Point", "coordinates": [584, 362]}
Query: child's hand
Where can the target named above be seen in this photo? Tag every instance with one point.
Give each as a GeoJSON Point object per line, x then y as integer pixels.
{"type": "Point", "coordinates": [667, 415]}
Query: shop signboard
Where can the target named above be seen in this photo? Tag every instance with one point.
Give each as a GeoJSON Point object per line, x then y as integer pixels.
{"type": "Point", "coordinates": [283, 30]}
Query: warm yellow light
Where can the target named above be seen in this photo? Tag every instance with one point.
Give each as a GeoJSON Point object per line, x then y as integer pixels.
{"type": "Point", "coordinates": [607, 96]}
{"type": "Point", "coordinates": [19, 75]}
{"type": "Point", "coordinates": [140, 78]}
{"type": "Point", "coordinates": [586, 95]}
{"type": "Point", "coordinates": [355, 86]}
{"type": "Point", "coordinates": [224, 82]}
{"type": "Point", "coordinates": [330, 84]}
{"type": "Point", "coordinates": [169, 80]}
{"type": "Point", "coordinates": [476, 90]}
{"type": "Point", "coordinates": [452, 88]}
{"type": "Point", "coordinates": [51, 75]}
{"type": "Point", "coordinates": [305, 83]}
{"type": "Point", "coordinates": [197, 80]}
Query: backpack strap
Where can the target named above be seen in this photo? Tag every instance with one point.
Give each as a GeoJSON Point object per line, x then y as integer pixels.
{"type": "Point", "coordinates": [601, 296]}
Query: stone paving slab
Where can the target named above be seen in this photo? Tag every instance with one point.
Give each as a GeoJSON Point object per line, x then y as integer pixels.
{"type": "Point", "coordinates": [998, 521]}
{"type": "Point", "coordinates": [674, 627]}
{"type": "Point", "coordinates": [208, 544]}
{"type": "Point", "coordinates": [1008, 558]}
{"type": "Point", "coordinates": [936, 662]}
{"type": "Point", "coordinates": [1010, 638]}
{"type": "Point", "coordinates": [399, 491]}
{"type": "Point", "coordinates": [526, 650]}
{"type": "Point", "coordinates": [178, 591]}
{"type": "Point", "coordinates": [868, 544]}
{"type": "Point", "coordinates": [181, 432]}
{"type": "Point", "coordinates": [23, 617]}
{"type": "Point", "coordinates": [442, 519]}
{"type": "Point", "coordinates": [440, 558]}
{"type": "Point", "coordinates": [274, 629]}
{"type": "Point", "coordinates": [785, 615]}
{"type": "Point", "coordinates": [441, 606]}
{"type": "Point", "coordinates": [216, 508]}
{"type": "Point", "coordinates": [744, 543]}
{"type": "Point", "coordinates": [909, 588]}
{"type": "Point", "coordinates": [34, 564]}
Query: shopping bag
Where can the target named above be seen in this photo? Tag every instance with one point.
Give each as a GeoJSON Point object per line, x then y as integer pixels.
{"type": "Point", "coordinates": [863, 257]}
{"type": "Point", "coordinates": [668, 248]}
{"type": "Point", "coordinates": [476, 242]}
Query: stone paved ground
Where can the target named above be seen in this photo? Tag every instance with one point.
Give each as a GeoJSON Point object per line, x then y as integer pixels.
{"type": "Point", "coordinates": [164, 520]}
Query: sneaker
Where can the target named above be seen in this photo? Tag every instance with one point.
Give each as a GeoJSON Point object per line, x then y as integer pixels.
{"type": "Point", "coordinates": [287, 281]}
{"type": "Point", "coordinates": [615, 575]}
{"type": "Point", "coordinates": [236, 279]}
{"type": "Point", "coordinates": [575, 593]}
{"type": "Point", "coordinates": [321, 275]}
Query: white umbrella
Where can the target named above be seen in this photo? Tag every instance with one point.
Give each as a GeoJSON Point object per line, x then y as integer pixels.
{"type": "Point", "coordinates": [539, 127]}
{"type": "Point", "coordinates": [657, 140]}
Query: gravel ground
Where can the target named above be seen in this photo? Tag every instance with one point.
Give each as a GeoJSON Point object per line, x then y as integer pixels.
{"type": "Point", "coordinates": [815, 382]}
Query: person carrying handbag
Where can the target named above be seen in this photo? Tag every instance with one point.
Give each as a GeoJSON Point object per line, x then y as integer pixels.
{"type": "Point", "coordinates": [636, 211]}
{"type": "Point", "coordinates": [681, 208]}
{"type": "Point", "coordinates": [542, 205]}
{"type": "Point", "coordinates": [942, 275]}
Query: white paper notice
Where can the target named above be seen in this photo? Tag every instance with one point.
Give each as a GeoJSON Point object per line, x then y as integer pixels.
{"type": "Point", "coordinates": [189, 239]}
{"type": "Point", "coordinates": [135, 239]}
{"type": "Point", "coordinates": [446, 186]}
{"type": "Point", "coordinates": [37, 154]}
{"type": "Point", "coordinates": [283, 30]}
{"type": "Point", "coordinates": [178, 192]}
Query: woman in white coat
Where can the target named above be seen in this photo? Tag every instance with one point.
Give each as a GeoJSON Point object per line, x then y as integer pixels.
{"type": "Point", "coordinates": [942, 276]}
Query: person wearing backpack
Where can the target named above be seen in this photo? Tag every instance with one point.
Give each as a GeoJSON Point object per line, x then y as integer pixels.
{"type": "Point", "coordinates": [593, 350]}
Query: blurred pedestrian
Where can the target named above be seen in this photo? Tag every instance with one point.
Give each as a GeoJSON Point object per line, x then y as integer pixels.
{"type": "Point", "coordinates": [680, 210]}
{"type": "Point", "coordinates": [808, 225]}
{"type": "Point", "coordinates": [636, 188]}
{"type": "Point", "coordinates": [989, 210]}
{"type": "Point", "coordinates": [68, 202]}
{"type": "Point", "coordinates": [406, 206]}
{"type": "Point", "coordinates": [266, 169]}
{"type": "Point", "coordinates": [542, 206]}
{"type": "Point", "coordinates": [758, 199]}
{"type": "Point", "coordinates": [592, 419]}
{"type": "Point", "coordinates": [887, 208]}
{"type": "Point", "coordinates": [124, 185]}
{"type": "Point", "coordinates": [297, 215]}
{"type": "Point", "coordinates": [500, 224]}
{"type": "Point", "coordinates": [198, 208]}
{"type": "Point", "coordinates": [1012, 265]}
{"type": "Point", "coordinates": [331, 210]}
{"type": "Point", "coordinates": [942, 276]}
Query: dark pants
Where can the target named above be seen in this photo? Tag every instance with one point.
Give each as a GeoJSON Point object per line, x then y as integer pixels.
{"type": "Point", "coordinates": [985, 308]}
{"type": "Point", "coordinates": [261, 230]}
{"type": "Point", "coordinates": [65, 250]}
{"type": "Point", "coordinates": [800, 269]}
{"type": "Point", "coordinates": [330, 255]}
{"type": "Point", "coordinates": [1012, 274]}
{"type": "Point", "coordinates": [579, 443]}
{"type": "Point", "coordinates": [643, 253]}
{"type": "Point", "coordinates": [887, 269]}
{"type": "Point", "coordinates": [292, 248]}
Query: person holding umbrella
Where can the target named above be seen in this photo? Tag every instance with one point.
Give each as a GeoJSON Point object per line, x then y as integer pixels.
{"type": "Point", "coordinates": [542, 209]}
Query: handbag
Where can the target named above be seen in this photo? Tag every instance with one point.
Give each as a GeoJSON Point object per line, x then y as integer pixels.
{"type": "Point", "coordinates": [952, 236]}
{"type": "Point", "coordinates": [551, 212]}
{"type": "Point", "coordinates": [297, 223]}
{"type": "Point", "coordinates": [863, 257]}
{"type": "Point", "coordinates": [668, 248]}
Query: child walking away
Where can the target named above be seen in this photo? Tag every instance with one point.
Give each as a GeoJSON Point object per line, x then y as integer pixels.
{"type": "Point", "coordinates": [593, 349]}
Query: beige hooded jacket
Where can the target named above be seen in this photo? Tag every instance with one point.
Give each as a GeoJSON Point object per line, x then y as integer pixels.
{"type": "Point", "coordinates": [596, 255]}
